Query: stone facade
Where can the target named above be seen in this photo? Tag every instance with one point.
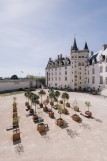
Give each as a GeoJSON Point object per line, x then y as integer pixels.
{"type": "Point", "coordinates": [82, 70]}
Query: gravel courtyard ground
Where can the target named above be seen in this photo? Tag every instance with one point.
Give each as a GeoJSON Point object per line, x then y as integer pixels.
{"type": "Point", "coordinates": [85, 141]}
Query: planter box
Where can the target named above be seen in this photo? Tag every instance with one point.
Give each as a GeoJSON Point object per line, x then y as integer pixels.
{"type": "Point", "coordinates": [51, 114]}
{"type": "Point", "coordinates": [41, 127]}
{"type": "Point", "coordinates": [67, 104]}
{"type": "Point", "coordinates": [60, 122]}
{"type": "Point", "coordinates": [76, 118]}
{"type": "Point", "coordinates": [16, 135]}
{"type": "Point", "coordinates": [88, 113]}
{"type": "Point", "coordinates": [64, 111]}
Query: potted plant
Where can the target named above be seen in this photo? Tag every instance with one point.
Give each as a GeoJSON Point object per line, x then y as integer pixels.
{"type": "Point", "coordinates": [45, 109]}
{"type": "Point", "coordinates": [41, 93]}
{"type": "Point", "coordinates": [88, 113]}
{"type": "Point", "coordinates": [75, 106]}
{"type": "Point", "coordinates": [64, 97]}
{"type": "Point", "coordinates": [41, 127]}
{"type": "Point", "coordinates": [75, 117]}
{"type": "Point", "coordinates": [35, 101]}
{"type": "Point", "coordinates": [27, 93]}
{"type": "Point", "coordinates": [52, 97]}
{"type": "Point", "coordinates": [60, 121]}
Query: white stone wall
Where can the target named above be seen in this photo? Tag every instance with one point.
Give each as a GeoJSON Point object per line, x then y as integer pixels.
{"type": "Point", "coordinates": [16, 84]}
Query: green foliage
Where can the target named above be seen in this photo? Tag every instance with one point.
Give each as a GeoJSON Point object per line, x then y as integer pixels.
{"type": "Point", "coordinates": [88, 104]}
{"type": "Point", "coordinates": [57, 94]}
{"type": "Point", "coordinates": [65, 96]}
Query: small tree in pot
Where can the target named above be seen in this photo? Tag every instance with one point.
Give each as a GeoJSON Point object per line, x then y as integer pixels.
{"type": "Point", "coordinates": [75, 117]}
{"type": "Point", "coordinates": [64, 97]}
{"type": "Point", "coordinates": [35, 101]}
{"type": "Point", "coordinates": [52, 97]}
{"type": "Point", "coordinates": [88, 113]}
{"type": "Point", "coordinates": [41, 93]}
{"type": "Point", "coordinates": [75, 106]}
{"type": "Point", "coordinates": [60, 121]}
{"type": "Point", "coordinates": [14, 104]}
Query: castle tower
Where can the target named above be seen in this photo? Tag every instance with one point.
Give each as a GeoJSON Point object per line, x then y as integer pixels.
{"type": "Point", "coordinates": [78, 69]}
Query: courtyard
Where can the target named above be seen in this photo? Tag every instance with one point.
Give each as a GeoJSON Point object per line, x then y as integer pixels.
{"type": "Point", "coordinates": [84, 141]}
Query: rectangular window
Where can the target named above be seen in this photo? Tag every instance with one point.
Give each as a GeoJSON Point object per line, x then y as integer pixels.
{"type": "Point", "coordinates": [65, 78]}
{"type": "Point", "coordinates": [56, 78]}
{"type": "Point", "coordinates": [59, 78]}
{"type": "Point", "coordinates": [65, 72]}
{"type": "Point", "coordinates": [101, 80]}
{"type": "Point", "coordinates": [88, 80]}
{"type": "Point", "coordinates": [106, 80]}
{"type": "Point", "coordinates": [65, 67]}
{"type": "Point", "coordinates": [93, 79]}
{"type": "Point", "coordinates": [106, 69]}
{"type": "Point", "coordinates": [55, 84]}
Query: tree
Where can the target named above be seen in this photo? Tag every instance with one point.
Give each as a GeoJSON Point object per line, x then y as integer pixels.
{"type": "Point", "coordinates": [52, 97]}
{"type": "Point", "coordinates": [41, 93]}
{"type": "Point", "coordinates": [88, 104]}
{"type": "Point", "coordinates": [59, 109]}
{"type": "Point", "coordinates": [57, 94]}
{"type": "Point", "coordinates": [65, 96]}
{"type": "Point", "coordinates": [35, 100]}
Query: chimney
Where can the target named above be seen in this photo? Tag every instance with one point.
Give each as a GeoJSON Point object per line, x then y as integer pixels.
{"type": "Point", "coordinates": [104, 46]}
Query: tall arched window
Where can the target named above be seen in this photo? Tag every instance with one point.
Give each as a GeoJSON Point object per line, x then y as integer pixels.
{"type": "Point", "coordinates": [101, 69]}
{"type": "Point", "coordinates": [93, 71]}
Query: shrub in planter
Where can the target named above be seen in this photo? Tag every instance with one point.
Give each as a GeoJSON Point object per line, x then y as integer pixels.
{"type": "Point", "coordinates": [64, 111]}
{"type": "Point", "coordinates": [51, 114]}
{"type": "Point", "coordinates": [67, 104]}
{"type": "Point", "coordinates": [16, 134]}
{"type": "Point", "coordinates": [76, 118]}
{"type": "Point", "coordinates": [60, 122]}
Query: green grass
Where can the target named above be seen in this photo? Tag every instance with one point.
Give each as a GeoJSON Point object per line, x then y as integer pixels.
{"type": "Point", "coordinates": [11, 93]}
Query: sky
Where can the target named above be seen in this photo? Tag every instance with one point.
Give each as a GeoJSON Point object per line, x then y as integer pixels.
{"type": "Point", "coordinates": [32, 31]}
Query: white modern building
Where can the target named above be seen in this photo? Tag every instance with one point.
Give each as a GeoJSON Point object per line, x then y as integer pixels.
{"type": "Point", "coordinates": [82, 70]}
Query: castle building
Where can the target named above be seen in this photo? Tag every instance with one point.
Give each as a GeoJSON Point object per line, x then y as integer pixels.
{"type": "Point", "coordinates": [82, 70]}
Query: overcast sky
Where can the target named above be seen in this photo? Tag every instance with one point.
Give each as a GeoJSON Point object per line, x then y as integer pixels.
{"type": "Point", "coordinates": [31, 31]}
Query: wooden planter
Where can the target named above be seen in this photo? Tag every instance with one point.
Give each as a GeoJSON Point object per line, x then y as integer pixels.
{"type": "Point", "coordinates": [16, 135]}
{"type": "Point", "coordinates": [45, 109]}
{"type": "Point", "coordinates": [41, 127]}
{"type": "Point", "coordinates": [60, 122]}
{"type": "Point", "coordinates": [51, 114]}
{"type": "Point", "coordinates": [64, 111]}
{"type": "Point", "coordinates": [61, 102]}
{"type": "Point", "coordinates": [88, 113]}
{"type": "Point", "coordinates": [76, 118]}
{"type": "Point", "coordinates": [67, 104]}
{"type": "Point", "coordinates": [76, 108]}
